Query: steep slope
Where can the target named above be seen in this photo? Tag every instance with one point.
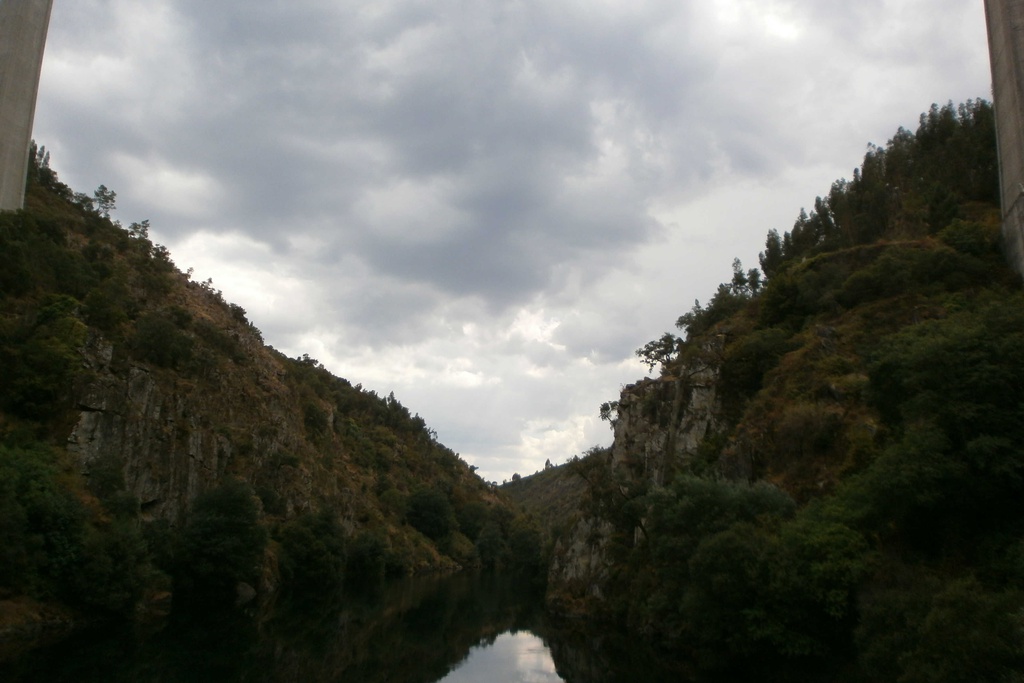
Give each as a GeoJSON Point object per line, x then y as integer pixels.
{"type": "Point", "coordinates": [139, 411]}
{"type": "Point", "coordinates": [823, 481]}
{"type": "Point", "coordinates": [553, 494]}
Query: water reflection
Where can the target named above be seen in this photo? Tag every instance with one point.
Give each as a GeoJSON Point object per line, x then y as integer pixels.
{"type": "Point", "coordinates": [513, 657]}
{"type": "Point", "coordinates": [415, 631]}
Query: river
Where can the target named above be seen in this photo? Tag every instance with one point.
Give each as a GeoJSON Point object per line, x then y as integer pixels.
{"type": "Point", "coordinates": [457, 629]}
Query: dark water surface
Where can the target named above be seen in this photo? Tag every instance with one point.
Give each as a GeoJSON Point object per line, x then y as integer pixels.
{"type": "Point", "coordinates": [458, 629]}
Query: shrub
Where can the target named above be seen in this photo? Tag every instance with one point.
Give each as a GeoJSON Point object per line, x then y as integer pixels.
{"type": "Point", "coordinates": [366, 559]}
{"type": "Point", "coordinates": [935, 631]}
{"type": "Point", "coordinates": [313, 553]}
{"type": "Point", "coordinates": [222, 542]}
{"type": "Point", "coordinates": [159, 341]}
{"type": "Point", "coordinates": [970, 238]}
{"type": "Point", "coordinates": [113, 567]}
{"type": "Point", "coordinates": [431, 514]}
{"type": "Point", "coordinates": [39, 361]}
{"type": "Point", "coordinates": [43, 525]}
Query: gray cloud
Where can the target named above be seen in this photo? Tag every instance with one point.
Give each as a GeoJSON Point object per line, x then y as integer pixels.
{"type": "Point", "coordinates": [485, 207]}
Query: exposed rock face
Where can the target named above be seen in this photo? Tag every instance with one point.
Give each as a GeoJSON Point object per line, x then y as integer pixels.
{"type": "Point", "coordinates": [660, 425]}
{"type": "Point", "coordinates": [579, 567]}
{"type": "Point", "coordinates": [175, 437]}
{"type": "Point", "coordinates": [661, 422]}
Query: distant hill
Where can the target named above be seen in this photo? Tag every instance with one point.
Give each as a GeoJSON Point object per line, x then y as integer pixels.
{"type": "Point", "coordinates": [552, 495]}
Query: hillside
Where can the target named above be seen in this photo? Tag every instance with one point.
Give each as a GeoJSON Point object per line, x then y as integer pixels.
{"type": "Point", "coordinates": [150, 441]}
{"type": "Point", "coordinates": [824, 479]}
{"type": "Point", "coordinates": [552, 494]}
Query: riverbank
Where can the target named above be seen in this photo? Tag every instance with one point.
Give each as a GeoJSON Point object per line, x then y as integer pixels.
{"type": "Point", "coordinates": [27, 623]}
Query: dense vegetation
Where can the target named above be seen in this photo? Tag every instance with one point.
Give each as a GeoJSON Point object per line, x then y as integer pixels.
{"type": "Point", "coordinates": [855, 512]}
{"type": "Point", "coordinates": [330, 483]}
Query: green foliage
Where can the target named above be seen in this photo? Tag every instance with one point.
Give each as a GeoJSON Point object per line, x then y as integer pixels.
{"type": "Point", "coordinates": [964, 372]}
{"type": "Point", "coordinates": [726, 302]}
{"type": "Point", "coordinates": [367, 557]}
{"type": "Point", "coordinates": [683, 526]}
{"type": "Point", "coordinates": [461, 549]}
{"type": "Point", "coordinates": [952, 391]}
{"type": "Point", "coordinates": [312, 553]}
{"type": "Point", "coordinates": [694, 508]}
{"type": "Point", "coordinates": [732, 572]}
{"type": "Point", "coordinates": [611, 493]}
{"type": "Point", "coordinates": [472, 517]}
{"type": "Point", "coordinates": [219, 340]}
{"type": "Point", "coordinates": [491, 546]}
{"type": "Point", "coordinates": [943, 208]}
{"type": "Point", "coordinates": [878, 375]}
{"type": "Point", "coordinates": [902, 270]}
{"type": "Point", "coordinates": [938, 631]}
{"type": "Point", "coordinates": [113, 567]}
{"type": "Point", "coordinates": [107, 306]}
{"type": "Point", "coordinates": [50, 548]}
{"type": "Point", "coordinates": [748, 359]}
{"type": "Point", "coordinates": [772, 257]}
{"type": "Point", "coordinates": [526, 550]}
{"type": "Point", "coordinates": [950, 159]}
{"type": "Point", "coordinates": [755, 597]}
{"type": "Point", "coordinates": [222, 542]}
{"type": "Point", "coordinates": [43, 527]}
{"type": "Point", "coordinates": [314, 419]}
{"type": "Point", "coordinates": [822, 561]}
{"type": "Point", "coordinates": [661, 351]}
{"type": "Point", "coordinates": [430, 513]}
{"type": "Point", "coordinates": [270, 498]}
{"type": "Point", "coordinates": [105, 200]}
{"type": "Point", "coordinates": [39, 359]}
{"type": "Point", "coordinates": [80, 295]}
{"type": "Point", "coordinates": [159, 341]}
{"type": "Point", "coordinates": [798, 293]}
{"type": "Point", "coordinates": [163, 544]}
{"type": "Point", "coordinates": [973, 239]}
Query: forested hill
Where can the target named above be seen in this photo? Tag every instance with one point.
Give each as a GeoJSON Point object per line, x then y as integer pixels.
{"type": "Point", "coordinates": [151, 443]}
{"type": "Point", "coordinates": [824, 480]}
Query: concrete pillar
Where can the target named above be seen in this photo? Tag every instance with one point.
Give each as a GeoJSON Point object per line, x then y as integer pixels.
{"type": "Point", "coordinates": [1006, 48]}
{"type": "Point", "coordinates": [23, 25]}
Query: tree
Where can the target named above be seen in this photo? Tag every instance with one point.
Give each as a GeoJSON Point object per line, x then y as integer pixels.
{"type": "Point", "coordinates": [661, 351]}
{"type": "Point", "coordinates": [472, 517]}
{"type": "Point", "coordinates": [772, 256]}
{"type": "Point", "coordinates": [431, 514]}
{"type": "Point", "coordinates": [525, 544]}
{"type": "Point", "coordinates": [366, 559]}
{"type": "Point", "coordinates": [158, 340]}
{"type": "Point", "coordinates": [223, 541]}
{"type": "Point", "coordinates": [313, 554]}
{"type": "Point", "coordinates": [609, 412]}
{"type": "Point", "coordinates": [106, 200]}
{"type": "Point", "coordinates": [490, 545]}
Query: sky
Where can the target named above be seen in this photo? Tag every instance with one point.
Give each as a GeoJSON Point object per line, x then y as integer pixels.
{"type": "Point", "coordinates": [484, 207]}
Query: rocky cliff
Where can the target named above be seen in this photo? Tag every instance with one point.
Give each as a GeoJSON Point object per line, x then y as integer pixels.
{"type": "Point", "coordinates": [661, 422]}
{"type": "Point", "coordinates": [824, 479]}
{"type": "Point", "coordinates": [232, 407]}
{"type": "Point", "coordinates": [128, 392]}
{"type": "Point", "coordinates": [174, 438]}
{"type": "Point", "coordinates": [659, 427]}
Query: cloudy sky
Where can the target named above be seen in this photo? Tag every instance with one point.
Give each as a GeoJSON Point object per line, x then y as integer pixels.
{"type": "Point", "coordinates": [484, 206]}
